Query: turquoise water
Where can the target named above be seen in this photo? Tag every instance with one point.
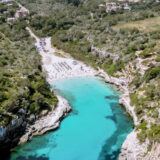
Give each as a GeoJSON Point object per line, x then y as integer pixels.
{"type": "Point", "coordinates": [94, 130]}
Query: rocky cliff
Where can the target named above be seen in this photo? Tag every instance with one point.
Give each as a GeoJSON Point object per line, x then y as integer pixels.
{"type": "Point", "coordinates": [133, 148]}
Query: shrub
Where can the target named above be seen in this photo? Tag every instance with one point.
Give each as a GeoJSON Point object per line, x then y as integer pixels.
{"type": "Point", "coordinates": [152, 73]}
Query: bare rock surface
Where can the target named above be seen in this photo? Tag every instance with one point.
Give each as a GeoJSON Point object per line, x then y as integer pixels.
{"type": "Point", "coordinates": [132, 149]}
{"type": "Point", "coordinates": [48, 122]}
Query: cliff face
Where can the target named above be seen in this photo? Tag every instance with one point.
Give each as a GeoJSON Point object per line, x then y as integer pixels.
{"type": "Point", "coordinates": [22, 129]}
{"type": "Point", "coordinates": [9, 136]}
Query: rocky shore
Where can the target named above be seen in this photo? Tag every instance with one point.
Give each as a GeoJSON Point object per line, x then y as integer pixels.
{"type": "Point", "coordinates": [131, 149]}
{"type": "Point", "coordinates": [49, 121]}
{"type": "Point", "coordinates": [122, 85]}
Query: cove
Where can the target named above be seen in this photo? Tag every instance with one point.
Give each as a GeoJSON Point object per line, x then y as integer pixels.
{"type": "Point", "coordinates": [94, 130]}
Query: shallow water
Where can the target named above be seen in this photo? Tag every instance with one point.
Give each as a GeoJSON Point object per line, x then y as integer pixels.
{"type": "Point", "coordinates": [94, 130]}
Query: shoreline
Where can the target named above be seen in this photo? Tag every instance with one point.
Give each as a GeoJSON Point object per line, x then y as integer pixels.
{"type": "Point", "coordinates": [122, 85]}
{"type": "Point", "coordinates": [48, 122]}
{"type": "Point", "coordinates": [131, 148]}
{"type": "Point", "coordinates": [58, 68]}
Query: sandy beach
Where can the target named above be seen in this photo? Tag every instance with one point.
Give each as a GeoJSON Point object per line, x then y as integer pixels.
{"type": "Point", "coordinates": [58, 67]}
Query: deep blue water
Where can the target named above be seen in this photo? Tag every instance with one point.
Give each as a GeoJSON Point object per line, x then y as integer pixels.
{"type": "Point", "coordinates": [94, 130]}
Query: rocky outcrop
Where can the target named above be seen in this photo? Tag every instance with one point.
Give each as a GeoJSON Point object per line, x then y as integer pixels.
{"type": "Point", "coordinates": [132, 149]}
{"type": "Point", "coordinates": [21, 129]}
{"type": "Point", "coordinates": [51, 121]}
{"type": "Point", "coordinates": [121, 83]}
{"type": "Point", "coordinates": [103, 54]}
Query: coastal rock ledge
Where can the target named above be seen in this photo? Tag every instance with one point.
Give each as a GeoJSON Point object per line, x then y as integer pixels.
{"type": "Point", "coordinates": [49, 122]}
{"type": "Point", "coordinates": [133, 150]}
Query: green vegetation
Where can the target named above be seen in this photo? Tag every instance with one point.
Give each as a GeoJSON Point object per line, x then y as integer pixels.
{"type": "Point", "coordinates": [22, 83]}
{"type": "Point", "coordinates": [150, 24]}
{"type": "Point", "coordinates": [79, 27]}
{"type": "Point", "coordinates": [152, 73]}
{"type": "Point", "coordinates": [142, 135]}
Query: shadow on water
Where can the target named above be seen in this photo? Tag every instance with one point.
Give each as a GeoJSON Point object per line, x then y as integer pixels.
{"type": "Point", "coordinates": [4, 155]}
{"type": "Point", "coordinates": [111, 97]}
{"type": "Point", "coordinates": [67, 95]}
{"type": "Point", "coordinates": [121, 121]}
{"type": "Point", "coordinates": [32, 158]}
{"type": "Point", "coordinates": [113, 118]}
{"type": "Point", "coordinates": [36, 145]}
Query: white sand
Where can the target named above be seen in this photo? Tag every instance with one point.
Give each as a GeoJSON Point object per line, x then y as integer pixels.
{"type": "Point", "coordinates": [57, 67]}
